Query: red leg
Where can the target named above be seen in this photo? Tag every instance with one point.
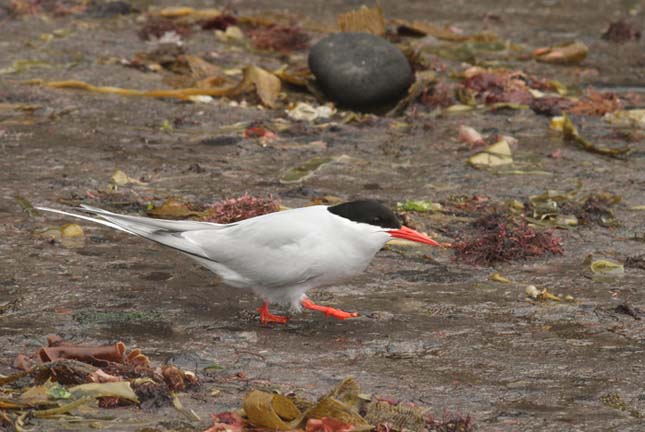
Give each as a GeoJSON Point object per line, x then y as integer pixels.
{"type": "Point", "coordinates": [267, 317]}
{"type": "Point", "coordinates": [328, 311]}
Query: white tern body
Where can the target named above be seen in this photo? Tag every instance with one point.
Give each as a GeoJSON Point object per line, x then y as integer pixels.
{"type": "Point", "coordinates": [279, 256]}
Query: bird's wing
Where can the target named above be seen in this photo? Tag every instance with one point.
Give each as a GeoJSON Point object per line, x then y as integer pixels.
{"type": "Point", "coordinates": [275, 250]}
{"type": "Point", "coordinates": [166, 232]}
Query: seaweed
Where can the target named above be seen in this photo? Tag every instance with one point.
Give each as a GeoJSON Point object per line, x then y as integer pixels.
{"type": "Point", "coordinates": [502, 238]}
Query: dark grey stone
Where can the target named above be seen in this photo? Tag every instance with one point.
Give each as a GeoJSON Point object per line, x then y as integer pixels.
{"type": "Point", "coordinates": [103, 9]}
{"type": "Point", "coordinates": [360, 70]}
{"type": "Point", "coordinates": [222, 140]}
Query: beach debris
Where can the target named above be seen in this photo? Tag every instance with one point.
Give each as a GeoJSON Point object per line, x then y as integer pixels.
{"type": "Point", "coordinates": [501, 238]}
{"type": "Point", "coordinates": [570, 133]}
{"type": "Point", "coordinates": [621, 31]}
{"type": "Point", "coordinates": [567, 53]}
{"type": "Point", "coordinates": [493, 156]}
{"type": "Point", "coordinates": [363, 20]}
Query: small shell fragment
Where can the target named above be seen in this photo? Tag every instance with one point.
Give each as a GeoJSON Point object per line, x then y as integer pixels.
{"type": "Point", "coordinates": [532, 291]}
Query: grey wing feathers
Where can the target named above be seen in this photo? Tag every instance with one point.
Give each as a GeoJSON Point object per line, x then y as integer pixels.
{"type": "Point", "coordinates": [166, 232]}
{"type": "Point", "coordinates": [149, 223]}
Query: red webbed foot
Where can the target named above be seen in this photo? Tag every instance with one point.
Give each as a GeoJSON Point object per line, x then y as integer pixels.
{"type": "Point", "coordinates": [267, 317]}
{"type": "Point", "coordinates": [328, 311]}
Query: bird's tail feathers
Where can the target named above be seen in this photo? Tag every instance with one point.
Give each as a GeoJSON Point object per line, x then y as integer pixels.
{"type": "Point", "coordinates": [87, 218]}
{"type": "Point", "coordinates": [166, 232]}
{"type": "Point", "coordinates": [149, 225]}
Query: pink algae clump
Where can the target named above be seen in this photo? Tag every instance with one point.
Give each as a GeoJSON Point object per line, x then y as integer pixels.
{"type": "Point", "coordinates": [500, 238]}
{"type": "Point", "coordinates": [237, 209]}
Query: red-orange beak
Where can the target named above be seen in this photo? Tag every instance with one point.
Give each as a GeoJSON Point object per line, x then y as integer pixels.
{"type": "Point", "coordinates": [412, 235]}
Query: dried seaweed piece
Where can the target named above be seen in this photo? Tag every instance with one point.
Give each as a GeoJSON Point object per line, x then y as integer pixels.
{"type": "Point", "coordinates": [327, 425]}
{"type": "Point", "coordinates": [174, 377]}
{"type": "Point", "coordinates": [196, 72]}
{"type": "Point", "coordinates": [439, 95]}
{"type": "Point", "coordinates": [279, 38]}
{"type": "Point", "coordinates": [544, 295]}
{"type": "Point", "coordinates": [501, 238]}
{"type": "Point", "coordinates": [120, 390]}
{"type": "Point", "coordinates": [8, 404]}
{"type": "Point", "coordinates": [551, 105]}
{"type": "Point", "coordinates": [275, 411]}
{"type": "Point", "coordinates": [628, 118]}
{"type": "Point", "coordinates": [364, 20]}
{"type": "Point", "coordinates": [496, 155]}
{"type": "Point", "coordinates": [183, 94]}
{"type": "Point", "coordinates": [470, 136]}
{"type": "Point", "coordinates": [157, 26]}
{"type": "Point", "coordinates": [54, 7]}
{"type": "Point", "coordinates": [87, 354]}
{"type": "Point", "coordinates": [595, 209]}
{"type": "Point", "coordinates": [596, 103]}
{"type": "Point", "coordinates": [401, 417]}
{"type": "Point", "coordinates": [454, 423]}
{"type": "Point", "coordinates": [635, 261]}
{"type": "Point", "coordinates": [244, 207]}
{"type": "Point", "coordinates": [63, 409]}
{"type": "Point", "coordinates": [188, 13]}
{"type": "Point", "coordinates": [565, 53]}
{"type": "Point", "coordinates": [163, 57]}
{"type": "Point", "coordinates": [266, 85]}
{"type": "Point", "coordinates": [606, 267]}
{"type": "Point", "coordinates": [22, 362]}
{"type": "Point", "coordinates": [152, 394]}
{"type": "Point", "coordinates": [310, 113]}
{"type": "Point", "coordinates": [38, 395]}
{"type": "Point", "coordinates": [136, 358]}
{"type": "Point", "coordinates": [499, 86]}
{"type": "Point", "coordinates": [420, 206]}
{"type": "Point", "coordinates": [265, 135]}
{"type": "Point", "coordinates": [227, 422]}
{"type": "Point", "coordinates": [570, 133]}
{"type": "Point", "coordinates": [221, 22]}
{"type": "Point", "coordinates": [173, 208]}
{"type": "Point", "coordinates": [340, 403]}
{"type": "Point", "coordinates": [497, 277]}
{"type": "Point", "coordinates": [96, 355]}
{"type": "Point", "coordinates": [272, 411]}
{"type": "Point", "coordinates": [422, 80]}
{"type": "Point", "coordinates": [447, 33]}
{"type": "Point", "coordinates": [627, 309]}
{"type": "Point", "coordinates": [64, 372]}
{"type": "Point", "coordinates": [564, 209]}
{"type": "Point", "coordinates": [621, 31]}
{"type": "Point", "coordinates": [299, 76]}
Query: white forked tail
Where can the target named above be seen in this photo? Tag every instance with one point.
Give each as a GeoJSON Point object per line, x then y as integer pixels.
{"type": "Point", "coordinates": [166, 232]}
{"type": "Point", "coordinates": [87, 218]}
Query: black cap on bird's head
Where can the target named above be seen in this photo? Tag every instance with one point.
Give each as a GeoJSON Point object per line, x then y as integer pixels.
{"type": "Point", "coordinates": [367, 211]}
{"type": "Point", "coordinates": [372, 212]}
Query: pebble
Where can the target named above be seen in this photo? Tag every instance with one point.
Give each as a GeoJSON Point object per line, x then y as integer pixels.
{"type": "Point", "coordinates": [102, 9]}
{"type": "Point", "coordinates": [221, 140]}
{"type": "Point", "coordinates": [360, 70]}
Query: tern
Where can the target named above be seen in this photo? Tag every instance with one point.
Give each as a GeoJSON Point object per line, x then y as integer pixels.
{"type": "Point", "coordinates": [279, 256]}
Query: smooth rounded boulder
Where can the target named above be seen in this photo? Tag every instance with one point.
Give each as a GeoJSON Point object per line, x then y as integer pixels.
{"type": "Point", "coordinates": [360, 70]}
